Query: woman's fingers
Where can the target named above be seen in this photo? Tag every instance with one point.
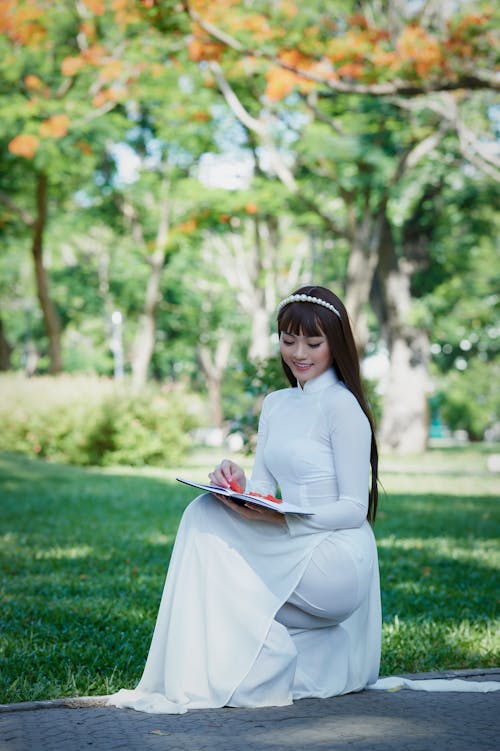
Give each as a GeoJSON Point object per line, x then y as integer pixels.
{"type": "Point", "coordinates": [251, 511]}
{"type": "Point", "coordinates": [226, 472]}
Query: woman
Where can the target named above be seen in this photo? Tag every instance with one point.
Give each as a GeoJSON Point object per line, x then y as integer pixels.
{"type": "Point", "coordinates": [260, 608]}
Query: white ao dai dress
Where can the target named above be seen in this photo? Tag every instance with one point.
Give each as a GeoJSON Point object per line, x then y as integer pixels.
{"type": "Point", "coordinates": [230, 628]}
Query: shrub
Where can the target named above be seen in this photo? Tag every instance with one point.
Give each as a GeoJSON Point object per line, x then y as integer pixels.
{"type": "Point", "coordinates": [92, 421]}
{"type": "Point", "coordinates": [469, 400]}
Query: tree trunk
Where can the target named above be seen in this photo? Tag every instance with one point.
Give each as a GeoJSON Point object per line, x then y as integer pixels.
{"type": "Point", "coordinates": [5, 349]}
{"type": "Point", "coordinates": [260, 343]}
{"type": "Point", "coordinates": [214, 366]}
{"type": "Point", "coordinates": [404, 425]}
{"type": "Point", "coordinates": [364, 238]}
{"type": "Point", "coordinates": [358, 284]}
{"type": "Point", "coordinates": [49, 312]}
{"type": "Point", "coordinates": [146, 333]}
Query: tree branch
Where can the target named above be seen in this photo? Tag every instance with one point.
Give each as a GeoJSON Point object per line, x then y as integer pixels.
{"type": "Point", "coordinates": [471, 81]}
{"type": "Point", "coordinates": [258, 126]}
{"type": "Point", "coordinates": [471, 147]}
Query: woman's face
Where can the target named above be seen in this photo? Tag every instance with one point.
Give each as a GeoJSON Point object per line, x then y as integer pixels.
{"type": "Point", "coordinates": [306, 356]}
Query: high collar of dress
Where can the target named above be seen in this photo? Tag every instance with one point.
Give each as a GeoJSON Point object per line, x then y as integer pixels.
{"type": "Point", "coordinates": [328, 378]}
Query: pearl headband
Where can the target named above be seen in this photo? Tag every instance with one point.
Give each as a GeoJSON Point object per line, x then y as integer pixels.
{"type": "Point", "coordinates": [307, 298]}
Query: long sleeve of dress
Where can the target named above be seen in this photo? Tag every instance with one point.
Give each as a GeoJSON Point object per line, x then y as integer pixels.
{"type": "Point", "coordinates": [350, 436]}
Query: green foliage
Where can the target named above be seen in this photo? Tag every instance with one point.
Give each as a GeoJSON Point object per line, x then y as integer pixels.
{"type": "Point", "coordinates": [258, 379]}
{"type": "Point", "coordinates": [129, 87]}
{"type": "Point", "coordinates": [90, 421]}
{"type": "Point", "coordinates": [470, 400]}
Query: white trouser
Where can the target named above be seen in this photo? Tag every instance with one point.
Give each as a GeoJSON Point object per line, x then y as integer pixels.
{"type": "Point", "coordinates": [331, 588]}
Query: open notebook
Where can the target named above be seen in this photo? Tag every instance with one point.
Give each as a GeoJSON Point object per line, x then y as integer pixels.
{"type": "Point", "coordinates": [283, 507]}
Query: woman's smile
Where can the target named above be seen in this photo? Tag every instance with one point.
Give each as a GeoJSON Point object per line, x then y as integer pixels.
{"type": "Point", "coordinates": [306, 356]}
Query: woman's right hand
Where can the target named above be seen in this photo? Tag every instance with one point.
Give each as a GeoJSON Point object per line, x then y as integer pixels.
{"type": "Point", "coordinates": [228, 471]}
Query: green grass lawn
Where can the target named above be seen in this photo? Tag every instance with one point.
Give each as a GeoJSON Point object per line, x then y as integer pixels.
{"type": "Point", "coordinates": [84, 555]}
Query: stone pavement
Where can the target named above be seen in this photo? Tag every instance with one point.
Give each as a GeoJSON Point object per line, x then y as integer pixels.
{"type": "Point", "coordinates": [403, 720]}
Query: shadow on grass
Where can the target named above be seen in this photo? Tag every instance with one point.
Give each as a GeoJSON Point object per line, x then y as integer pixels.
{"type": "Point", "coordinates": [84, 556]}
{"type": "Point", "coordinates": [83, 561]}
{"type": "Point", "coordinates": [436, 515]}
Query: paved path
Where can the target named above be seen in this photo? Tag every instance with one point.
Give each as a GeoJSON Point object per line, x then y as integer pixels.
{"type": "Point", "coordinates": [401, 720]}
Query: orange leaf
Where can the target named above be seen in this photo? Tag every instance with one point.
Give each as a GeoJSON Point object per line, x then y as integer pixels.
{"type": "Point", "coordinates": [294, 58]}
{"type": "Point", "coordinates": [280, 83]}
{"type": "Point", "coordinates": [88, 29]}
{"type": "Point", "coordinates": [199, 50]}
{"type": "Point", "coordinates": [187, 227]}
{"type": "Point", "coordinates": [201, 116]}
{"type": "Point", "coordinates": [97, 7]}
{"type": "Point", "coordinates": [358, 19]}
{"type": "Point", "coordinates": [417, 46]}
{"type": "Point", "coordinates": [23, 22]}
{"type": "Point", "coordinates": [350, 70]}
{"type": "Point", "coordinates": [385, 59]}
{"type": "Point", "coordinates": [288, 8]}
{"type": "Point", "coordinates": [24, 145]}
{"type": "Point", "coordinates": [33, 82]}
{"type": "Point", "coordinates": [94, 54]}
{"type": "Point", "coordinates": [55, 126]}
{"type": "Point", "coordinates": [110, 71]}
{"type": "Point", "coordinates": [84, 147]}
{"type": "Point", "coordinates": [100, 98]}
{"type": "Point", "coordinates": [125, 11]}
{"type": "Point", "coordinates": [70, 66]}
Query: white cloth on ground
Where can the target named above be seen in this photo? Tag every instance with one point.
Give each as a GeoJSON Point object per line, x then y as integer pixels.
{"type": "Point", "coordinates": [394, 682]}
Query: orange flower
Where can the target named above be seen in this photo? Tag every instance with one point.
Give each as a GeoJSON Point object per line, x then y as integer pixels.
{"type": "Point", "coordinates": [110, 71]}
{"type": "Point", "coordinates": [199, 50]}
{"type": "Point", "coordinates": [70, 66]}
{"type": "Point", "coordinates": [33, 82]}
{"type": "Point", "coordinates": [97, 7]}
{"type": "Point", "coordinates": [84, 147]}
{"type": "Point", "coordinates": [420, 49]}
{"type": "Point", "coordinates": [201, 116]}
{"type": "Point", "coordinates": [55, 126]}
{"type": "Point", "coordinates": [251, 208]}
{"type": "Point", "coordinates": [94, 54]}
{"type": "Point", "coordinates": [101, 98]}
{"type": "Point", "coordinates": [358, 19]}
{"type": "Point", "coordinates": [350, 70]}
{"type": "Point", "coordinates": [280, 83]}
{"type": "Point", "coordinates": [288, 8]}
{"type": "Point", "coordinates": [187, 227]}
{"type": "Point", "coordinates": [24, 145]}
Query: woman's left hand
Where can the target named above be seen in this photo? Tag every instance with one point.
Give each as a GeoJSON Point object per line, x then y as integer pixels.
{"type": "Point", "coordinates": [253, 511]}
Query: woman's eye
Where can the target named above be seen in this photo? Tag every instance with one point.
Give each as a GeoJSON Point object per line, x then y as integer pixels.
{"type": "Point", "coordinates": [313, 346]}
{"type": "Point", "coordinates": [288, 343]}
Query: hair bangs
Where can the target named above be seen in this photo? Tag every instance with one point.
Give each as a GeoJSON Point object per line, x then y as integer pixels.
{"type": "Point", "coordinates": [300, 319]}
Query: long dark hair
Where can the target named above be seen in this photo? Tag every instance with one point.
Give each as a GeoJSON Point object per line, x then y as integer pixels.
{"type": "Point", "coordinates": [311, 319]}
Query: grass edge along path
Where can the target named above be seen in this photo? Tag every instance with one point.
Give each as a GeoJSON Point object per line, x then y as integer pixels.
{"type": "Point", "coordinates": [84, 555]}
